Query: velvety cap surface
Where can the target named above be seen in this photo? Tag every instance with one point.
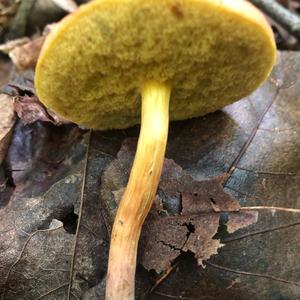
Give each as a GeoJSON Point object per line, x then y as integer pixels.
{"type": "Point", "coordinates": [211, 52]}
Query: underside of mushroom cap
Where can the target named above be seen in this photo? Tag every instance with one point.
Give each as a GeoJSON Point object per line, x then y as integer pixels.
{"type": "Point", "coordinates": [211, 52]}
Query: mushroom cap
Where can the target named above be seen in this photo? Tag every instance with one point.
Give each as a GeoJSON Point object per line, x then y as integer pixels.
{"type": "Point", "coordinates": [211, 52]}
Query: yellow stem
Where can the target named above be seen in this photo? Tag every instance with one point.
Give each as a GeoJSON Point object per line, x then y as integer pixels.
{"type": "Point", "coordinates": [140, 192]}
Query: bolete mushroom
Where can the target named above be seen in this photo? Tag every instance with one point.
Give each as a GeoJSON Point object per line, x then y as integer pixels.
{"type": "Point", "coordinates": [114, 60]}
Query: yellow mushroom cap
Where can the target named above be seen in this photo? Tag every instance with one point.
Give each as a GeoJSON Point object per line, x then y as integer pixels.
{"type": "Point", "coordinates": [211, 52]}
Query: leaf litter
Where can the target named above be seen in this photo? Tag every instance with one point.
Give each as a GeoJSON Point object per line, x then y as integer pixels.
{"type": "Point", "coordinates": [29, 108]}
{"type": "Point", "coordinates": [29, 243]}
{"type": "Point", "coordinates": [167, 231]}
{"type": "Point", "coordinates": [7, 121]}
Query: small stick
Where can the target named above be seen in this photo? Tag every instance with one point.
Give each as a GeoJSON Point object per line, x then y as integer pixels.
{"type": "Point", "coordinates": [252, 274]}
{"type": "Point", "coordinates": [288, 20]}
{"type": "Point", "coordinates": [286, 209]}
{"type": "Point", "coordinates": [163, 277]}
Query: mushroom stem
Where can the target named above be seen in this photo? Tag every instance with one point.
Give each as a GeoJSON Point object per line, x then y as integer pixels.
{"type": "Point", "coordinates": [140, 192]}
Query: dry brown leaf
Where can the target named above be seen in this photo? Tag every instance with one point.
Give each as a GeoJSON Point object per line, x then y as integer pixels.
{"type": "Point", "coordinates": [185, 216]}
{"type": "Point", "coordinates": [24, 52]}
{"type": "Point", "coordinates": [5, 68]}
{"type": "Point", "coordinates": [241, 220]}
{"type": "Point", "coordinates": [7, 121]}
{"type": "Point", "coordinates": [26, 56]}
{"type": "Point", "coordinates": [29, 109]}
{"type": "Point", "coordinates": [10, 45]}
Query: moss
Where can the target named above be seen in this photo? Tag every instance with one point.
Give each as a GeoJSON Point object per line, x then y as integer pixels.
{"type": "Point", "coordinates": [211, 52]}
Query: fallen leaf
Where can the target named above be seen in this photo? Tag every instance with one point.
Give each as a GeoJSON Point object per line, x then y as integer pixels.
{"type": "Point", "coordinates": [191, 226]}
{"type": "Point", "coordinates": [5, 68]}
{"type": "Point", "coordinates": [257, 142]}
{"type": "Point", "coordinates": [241, 220]}
{"type": "Point", "coordinates": [42, 240]}
{"type": "Point", "coordinates": [10, 45]}
{"type": "Point", "coordinates": [7, 121]}
{"type": "Point", "coordinates": [24, 52]}
{"type": "Point", "coordinates": [29, 109]}
{"type": "Point", "coordinates": [26, 56]}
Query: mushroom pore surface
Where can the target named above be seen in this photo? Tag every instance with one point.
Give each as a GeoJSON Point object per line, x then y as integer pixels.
{"type": "Point", "coordinates": [210, 52]}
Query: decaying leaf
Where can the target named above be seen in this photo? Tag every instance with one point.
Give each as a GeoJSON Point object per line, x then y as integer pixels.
{"type": "Point", "coordinates": [22, 234]}
{"type": "Point", "coordinates": [24, 52]}
{"type": "Point", "coordinates": [241, 220]}
{"type": "Point", "coordinates": [38, 223]}
{"type": "Point", "coordinates": [7, 121]}
{"type": "Point", "coordinates": [5, 68]}
{"type": "Point", "coordinates": [10, 45]}
{"type": "Point", "coordinates": [29, 109]}
{"type": "Point", "coordinates": [185, 216]}
{"type": "Point", "coordinates": [26, 56]}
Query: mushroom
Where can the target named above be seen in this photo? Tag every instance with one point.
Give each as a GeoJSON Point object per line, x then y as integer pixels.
{"type": "Point", "coordinates": [113, 60]}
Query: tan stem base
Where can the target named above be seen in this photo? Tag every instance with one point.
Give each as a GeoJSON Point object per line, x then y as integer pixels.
{"type": "Point", "coordinates": [140, 192]}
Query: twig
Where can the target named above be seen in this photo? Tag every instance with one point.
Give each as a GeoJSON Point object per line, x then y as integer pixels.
{"type": "Point", "coordinates": [252, 274]}
{"type": "Point", "coordinates": [246, 145]}
{"type": "Point", "coordinates": [84, 175]}
{"type": "Point", "coordinates": [163, 277]}
{"type": "Point", "coordinates": [271, 208]}
{"type": "Point", "coordinates": [285, 18]}
{"type": "Point", "coordinates": [52, 291]}
{"type": "Point", "coordinates": [250, 234]}
{"type": "Point", "coordinates": [174, 297]}
{"type": "Point", "coordinates": [268, 172]}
